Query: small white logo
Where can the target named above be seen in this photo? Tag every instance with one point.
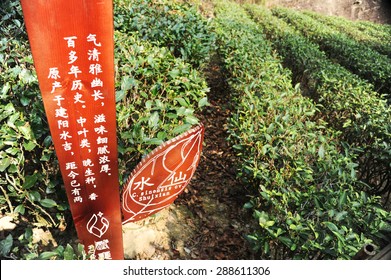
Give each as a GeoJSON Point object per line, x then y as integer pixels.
{"type": "Point", "coordinates": [98, 225]}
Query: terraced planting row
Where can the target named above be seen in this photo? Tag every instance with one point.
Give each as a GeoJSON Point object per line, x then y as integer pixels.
{"type": "Point", "coordinates": [379, 42]}
{"type": "Point", "coordinates": [358, 58]}
{"type": "Point", "coordinates": [378, 30]}
{"type": "Point", "coordinates": [305, 195]}
{"type": "Point", "coordinates": [348, 103]}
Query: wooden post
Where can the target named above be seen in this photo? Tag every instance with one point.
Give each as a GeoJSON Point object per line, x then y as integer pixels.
{"type": "Point", "coordinates": [73, 51]}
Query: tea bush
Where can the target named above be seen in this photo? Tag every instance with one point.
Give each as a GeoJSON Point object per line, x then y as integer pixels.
{"type": "Point", "coordinates": [68, 252]}
{"type": "Point", "coordinates": [378, 30]}
{"type": "Point", "coordinates": [305, 196]}
{"type": "Point", "coordinates": [175, 25]}
{"type": "Point", "coordinates": [30, 179]}
{"type": "Point", "coordinates": [157, 98]}
{"type": "Point", "coordinates": [380, 44]}
{"type": "Point", "coordinates": [349, 104]}
{"type": "Point", "coordinates": [358, 58]}
{"type": "Point", "coordinates": [29, 175]}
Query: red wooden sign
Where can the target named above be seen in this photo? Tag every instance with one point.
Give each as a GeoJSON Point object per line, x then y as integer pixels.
{"type": "Point", "coordinates": [72, 47]}
{"type": "Point", "coordinates": [158, 180]}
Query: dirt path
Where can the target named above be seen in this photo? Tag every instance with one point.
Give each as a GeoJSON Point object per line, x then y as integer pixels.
{"type": "Point", "coordinates": [216, 196]}
{"type": "Point", "coordinates": [207, 221]}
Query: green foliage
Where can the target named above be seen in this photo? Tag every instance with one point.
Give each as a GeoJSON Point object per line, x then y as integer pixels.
{"type": "Point", "coordinates": [177, 26]}
{"type": "Point", "coordinates": [25, 247]}
{"type": "Point", "coordinates": [381, 31]}
{"type": "Point", "coordinates": [157, 99]}
{"type": "Point", "coordinates": [349, 104]}
{"type": "Point", "coordinates": [378, 43]}
{"type": "Point", "coordinates": [358, 58]}
{"type": "Point", "coordinates": [305, 196]}
{"type": "Point", "coordinates": [5, 246]}
{"type": "Point", "coordinates": [61, 253]}
{"type": "Point", "coordinates": [29, 174]}
{"type": "Point", "coordinates": [326, 223]}
{"type": "Point", "coordinates": [300, 159]}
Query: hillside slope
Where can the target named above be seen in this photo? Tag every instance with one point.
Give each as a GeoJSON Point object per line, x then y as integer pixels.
{"type": "Point", "coordinates": [372, 10]}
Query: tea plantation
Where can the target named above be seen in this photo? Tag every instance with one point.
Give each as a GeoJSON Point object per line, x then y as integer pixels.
{"type": "Point", "coordinates": [310, 121]}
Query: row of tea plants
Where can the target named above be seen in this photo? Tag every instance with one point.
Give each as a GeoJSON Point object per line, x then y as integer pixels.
{"type": "Point", "coordinates": [305, 199]}
{"type": "Point", "coordinates": [348, 103]}
{"type": "Point", "coordinates": [377, 41]}
{"type": "Point", "coordinates": [358, 58]}
{"type": "Point", "coordinates": [158, 95]}
{"type": "Point", "coordinates": [377, 30]}
{"type": "Point", "coordinates": [175, 25]}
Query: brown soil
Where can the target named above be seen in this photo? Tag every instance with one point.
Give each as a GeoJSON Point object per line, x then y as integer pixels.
{"type": "Point", "coordinates": [215, 195]}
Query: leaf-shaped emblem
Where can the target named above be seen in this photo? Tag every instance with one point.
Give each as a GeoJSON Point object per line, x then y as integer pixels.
{"type": "Point", "coordinates": [162, 175]}
{"type": "Point", "coordinates": [98, 225]}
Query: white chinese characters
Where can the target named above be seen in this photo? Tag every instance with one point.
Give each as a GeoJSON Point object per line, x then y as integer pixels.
{"type": "Point", "coordinates": [81, 127]}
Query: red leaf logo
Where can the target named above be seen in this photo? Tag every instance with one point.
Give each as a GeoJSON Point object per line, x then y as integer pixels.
{"type": "Point", "coordinates": [162, 175]}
